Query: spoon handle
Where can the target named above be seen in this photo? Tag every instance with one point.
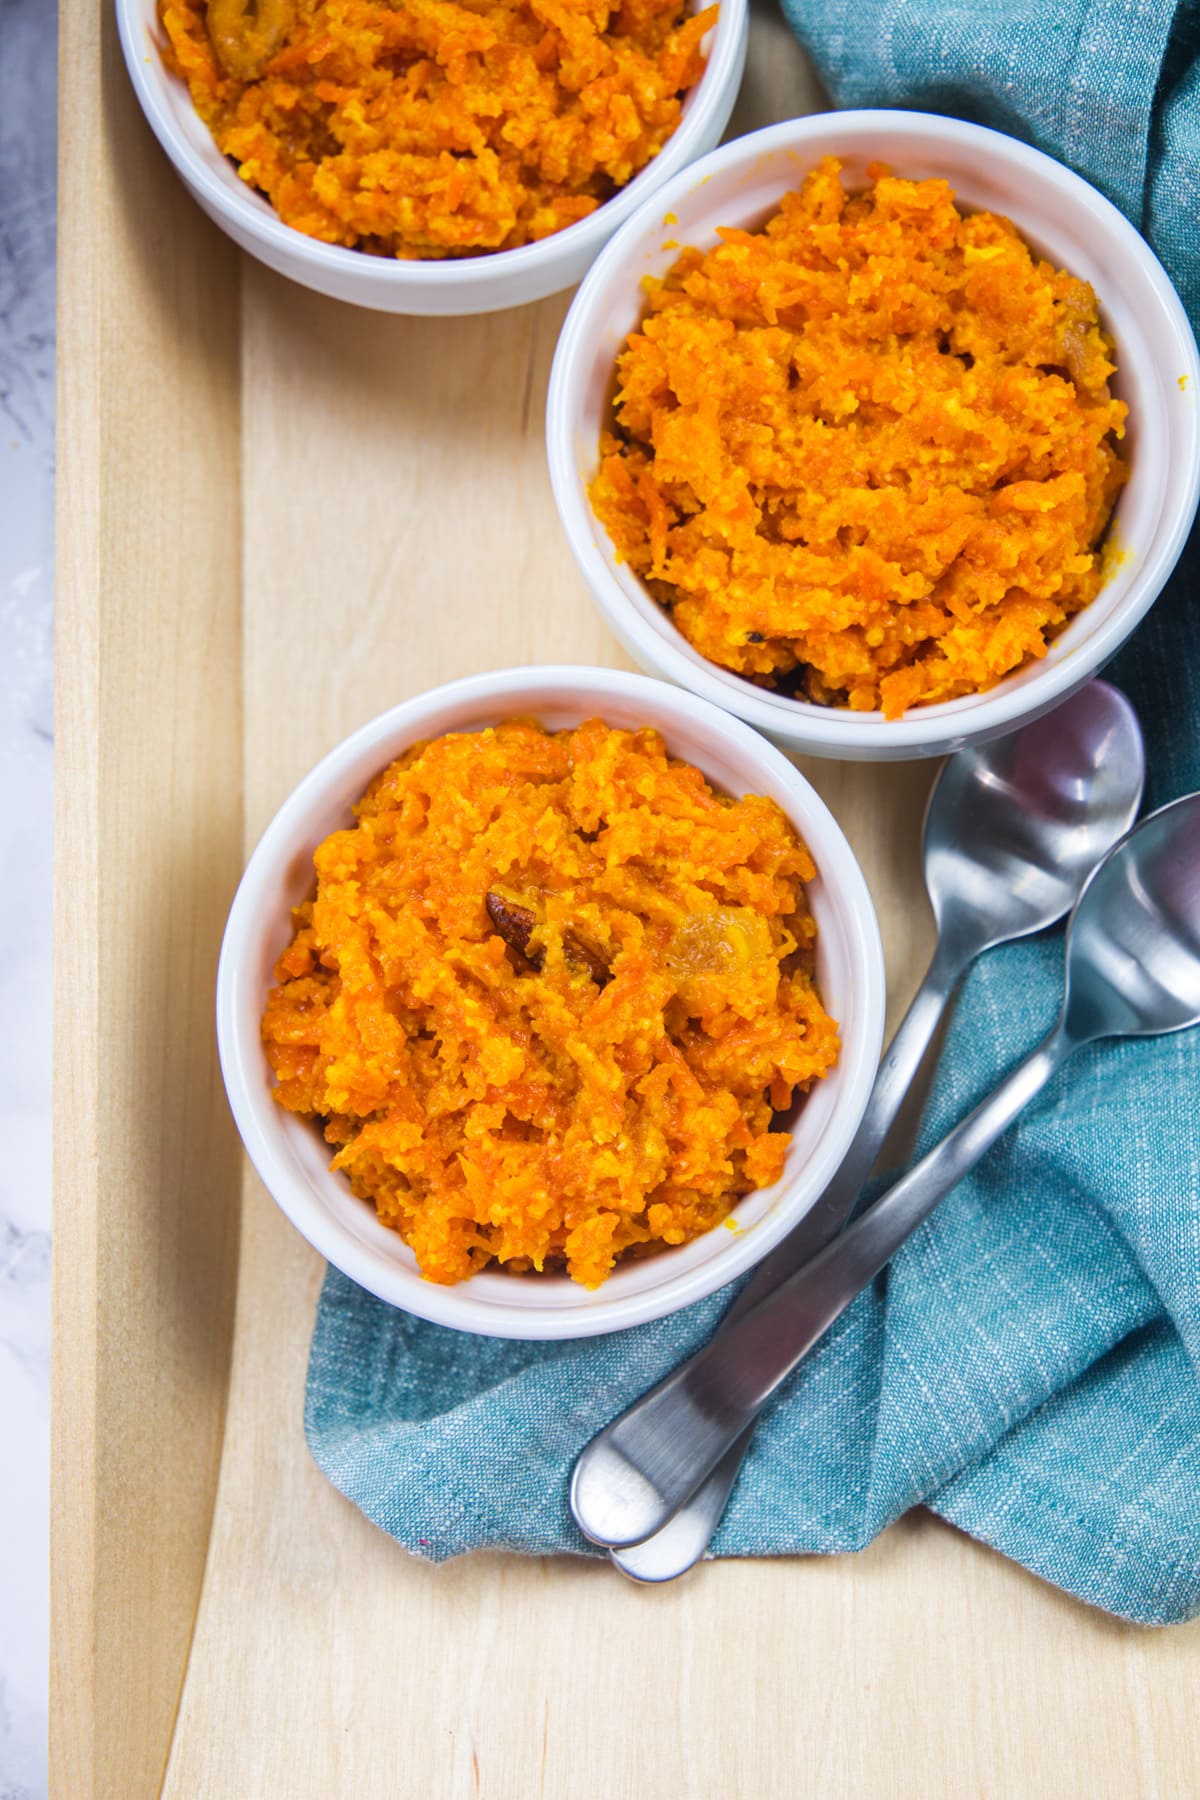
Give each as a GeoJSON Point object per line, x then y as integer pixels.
{"type": "Point", "coordinates": [641, 1468]}
{"type": "Point", "coordinates": [684, 1539]}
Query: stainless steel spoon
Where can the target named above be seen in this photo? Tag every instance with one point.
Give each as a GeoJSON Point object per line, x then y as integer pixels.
{"type": "Point", "coordinates": [1012, 831]}
{"type": "Point", "coordinates": [1133, 970]}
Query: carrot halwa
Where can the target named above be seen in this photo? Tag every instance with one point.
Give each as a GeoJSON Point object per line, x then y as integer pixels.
{"type": "Point", "coordinates": [867, 454]}
{"type": "Point", "coordinates": [549, 996]}
{"type": "Point", "coordinates": [433, 128]}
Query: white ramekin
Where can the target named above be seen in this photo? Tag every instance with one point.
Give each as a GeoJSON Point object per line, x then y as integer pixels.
{"type": "Point", "coordinates": [291, 1156]}
{"type": "Point", "coordinates": [445, 288]}
{"type": "Point", "coordinates": [1062, 217]}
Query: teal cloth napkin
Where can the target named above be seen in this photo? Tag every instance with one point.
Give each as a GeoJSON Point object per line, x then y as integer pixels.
{"type": "Point", "coordinates": [1029, 1367]}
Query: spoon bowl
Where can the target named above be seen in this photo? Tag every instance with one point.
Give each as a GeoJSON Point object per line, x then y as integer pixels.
{"type": "Point", "coordinates": [1133, 949]}
{"type": "Point", "coordinates": [1015, 827]}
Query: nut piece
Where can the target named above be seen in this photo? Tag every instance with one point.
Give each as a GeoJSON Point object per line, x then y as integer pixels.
{"type": "Point", "coordinates": [246, 33]}
{"type": "Point", "coordinates": [587, 956]}
{"type": "Point", "coordinates": [515, 925]}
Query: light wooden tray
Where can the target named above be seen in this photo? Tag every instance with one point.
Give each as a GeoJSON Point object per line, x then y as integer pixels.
{"type": "Point", "coordinates": [278, 516]}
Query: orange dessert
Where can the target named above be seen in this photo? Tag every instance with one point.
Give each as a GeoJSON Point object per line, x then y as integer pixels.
{"type": "Point", "coordinates": [549, 997]}
{"type": "Point", "coordinates": [430, 128]}
{"type": "Point", "coordinates": [867, 454]}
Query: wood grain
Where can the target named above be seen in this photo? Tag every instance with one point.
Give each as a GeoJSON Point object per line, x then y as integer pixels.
{"type": "Point", "coordinates": [148, 839]}
{"type": "Point", "coordinates": [396, 530]}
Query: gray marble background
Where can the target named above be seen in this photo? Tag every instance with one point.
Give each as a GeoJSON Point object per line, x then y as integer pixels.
{"type": "Point", "coordinates": [27, 97]}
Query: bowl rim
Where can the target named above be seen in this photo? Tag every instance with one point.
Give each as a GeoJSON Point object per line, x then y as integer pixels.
{"type": "Point", "coordinates": [382, 274]}
{"type": "Point", "coordinates": [656, 643]}
{"type": "Point", "coordinates": [247, 1083]}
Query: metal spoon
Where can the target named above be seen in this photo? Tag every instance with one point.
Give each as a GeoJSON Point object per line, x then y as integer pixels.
{"type": "Point", "coordinates": [1133, 970]}
{"type": "Point", "coordinates": [1012, 831]}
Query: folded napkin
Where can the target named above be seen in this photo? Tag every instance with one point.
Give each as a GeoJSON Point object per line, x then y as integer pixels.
{"type": "Point", "coordinates": [1029, 1366]}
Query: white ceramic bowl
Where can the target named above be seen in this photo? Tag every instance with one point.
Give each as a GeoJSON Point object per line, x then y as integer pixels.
{"type": "Point", "coordinates": [444, 288]}
{"type": "Point", "coordinates": [1062, 217]}
{"type": "Point", "coordinates": [292, 1158]}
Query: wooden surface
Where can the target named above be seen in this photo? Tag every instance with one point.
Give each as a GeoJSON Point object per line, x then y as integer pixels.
{"type": "Point", "coordinates": [278, 516]}
{"type": "Point", "coordinates": [148, 841]}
